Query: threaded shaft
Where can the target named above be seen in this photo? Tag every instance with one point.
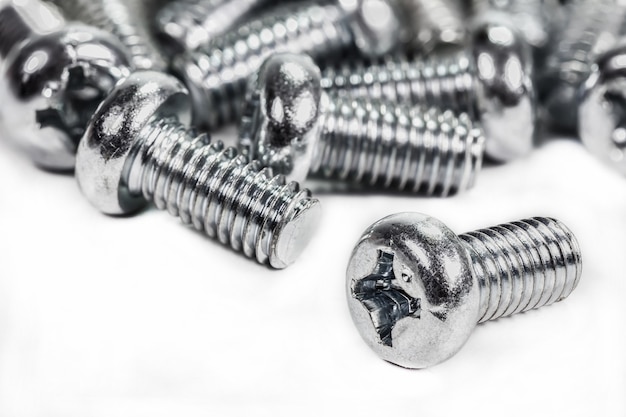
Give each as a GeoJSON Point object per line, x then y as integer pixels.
{"type": "Point", "coordinates": [445, 82]}
{"type": "Point", "coordinates": [523, 265]}
{"type": "Point", "coordinates": [128, 20]}
{"type": "Point", "coordinates": [220, 193]}
{"type": "Point", "coordinates": [433, 23]}
{"type": "Point", "coordinates": [192, 24]}
{"type": "Point", "coordinates": [217, 78]}
{"type": "Point", "coordinates": [431, 152]}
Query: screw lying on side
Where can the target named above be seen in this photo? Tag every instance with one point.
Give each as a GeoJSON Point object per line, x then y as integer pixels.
{"type": "Point", "coordinates": [416, 290]}
{"type": "Point", "coordinates": [591, 29]}
{"type": "Point", "coordinates": [217, 77]}
{"type": "Point", "coordinates": [294, 127]}
{"type": "Point", "coordinates": [52, 82]}
{"type": "Point", "coordinates": [602, 110]}
{"type": "Point", "coordinates": [128, 20]}
{"type": "Point", "coordinates": [491, 81]}
{"type": "Point", "coordinates": [138, 148]}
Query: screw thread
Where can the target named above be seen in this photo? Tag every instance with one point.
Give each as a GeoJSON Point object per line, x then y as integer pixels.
{"type": "Point", "coordinates": [433, 23]}
{"type": "Point", "coordinates": [128, 20]}
{"type": "Point", "coordinates": [431, 152]}
{"type": "Point", "coordinates": [523, 265]}
{"type": "Point", "coordinates": [218, 191]}
{"type": "Point", "coordinates": [446, 82]}
{"type": "Point", "coordinates": [218, 77]}
{"type": "Point", "coordinates": [192, 24]}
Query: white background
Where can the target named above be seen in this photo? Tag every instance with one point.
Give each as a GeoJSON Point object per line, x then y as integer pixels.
{"type": "Point", "coordinates": [142, 316]}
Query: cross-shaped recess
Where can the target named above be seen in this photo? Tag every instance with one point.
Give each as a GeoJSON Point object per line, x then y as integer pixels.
{"type": "Point", "coordinates": [385, 301]}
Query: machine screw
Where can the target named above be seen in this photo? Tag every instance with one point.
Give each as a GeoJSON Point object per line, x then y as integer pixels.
{"type": "Point", "coordinates": [187, 25]}
{"type": "Point", "coordinates": [129, 20]}
{"type": "Point", "coordinates": [138, 148]}
{"type": "Point", "coordinates": [53, 78]}
{"type": "Point", "coordinates": [291, 125]}
{"type": "Point", "coordinates": [491, 81]}
{"type": "Point", "coordinates": [416, 290]}
{"type": "Point", "coordinates": [591, 28]}
{"type": "Point", "coordinates": [217, 77]}
{"type": "Point", "coordinates": [602, 110]}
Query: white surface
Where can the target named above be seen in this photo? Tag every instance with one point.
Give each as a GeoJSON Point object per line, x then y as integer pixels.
{"type": "Point", "coordinates": [142, 316]}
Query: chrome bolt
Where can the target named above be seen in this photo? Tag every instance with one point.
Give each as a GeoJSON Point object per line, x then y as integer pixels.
{"type": "Point", "coordinates": [591, 28]}
{"type": "Point", "coordinates": [138, 149]}
{"type": "Point", "coordinates": [53, 78]}
{"type": "Point", "coordinates": [416, 290]}
{"type": "Point", "coordinates": [602, 110]}
{"type": "Point", "coordinates": [491, 81]}
{"type": "Point", "coordinates": [129, 20]}
{"type": "Point", "coordinates": [187, 25]}
{"type": "Point", "coordinates": [217, 77]}
{"type": "Point", "coordinates": [294, 127]}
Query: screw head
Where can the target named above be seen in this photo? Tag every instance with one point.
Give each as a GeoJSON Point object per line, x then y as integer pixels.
{"type": "Point", "coordinates": [602, 109]}
{"type": "Point", "coordinates": [113, 130]}
{"type": "Point", "coordinates": [52, 84]}
{"type": "Point", "coordinates": [375, 25]}
{"type": "Point", "coordinates": [281, 117]}
{"type": "Point", "coordinates": [412, 291]}
{"type": "Point", "coordinates": [505, 94]}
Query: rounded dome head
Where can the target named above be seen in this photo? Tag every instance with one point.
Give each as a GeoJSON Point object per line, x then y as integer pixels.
{"type": "Point", "coordinates": [411, 290]}
{"type": "Point", "coordinates": [280, 123]}
{"type": "Point", "coordinates": [375, 25]}
{"type": "Point", "coordinates": [114, 130]}
{"type": "Point", "coordinates": [602, 110]}
{"type": "Point", "coordinates": [505, 95]}
{"type": "Point", "coordinates": [51, 86]}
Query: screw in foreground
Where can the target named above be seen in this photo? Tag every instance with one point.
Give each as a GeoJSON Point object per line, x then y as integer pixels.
{"type": "Point", "coordinates": [53, 77]}
{"type": "Point", "coordinates": [138, 149]}
{"type": "Point", "coordinates": [491, 81]}
{"type": "Point", "coordinates": [217, 77]}
{"type": "Point", "coordinates": [291, 125]}
{"type": "Point", "coordinates": [602, 109]}
{"type": "Point", "coordinates": [416, 290]}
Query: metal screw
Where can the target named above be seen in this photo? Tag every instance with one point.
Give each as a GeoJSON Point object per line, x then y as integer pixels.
{"type": "Point", "coordinates": [129, 20]}
{"type": "Point", "coordinates": [431, 24]}
{"type": "Point", "coordinates": [416, 290]}
{"type": "Point", "coordinates": [491, 81]}
{"type": "Point", "coordinates": [138, 148]}
{"type": "Point", "coordinates": [293, 126]}
{"type": "Point", "coordinates": [217, 78]}
{"type": "Point", "coordinates": [52, 80]}
{"type": "Point", "coordinates": [187, 25]}
{"type": "Point", "coordinates": [602, 110]}
{"type": "Point", "coordinates": [591, 28]}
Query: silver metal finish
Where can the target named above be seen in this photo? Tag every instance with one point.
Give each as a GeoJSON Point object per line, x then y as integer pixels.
{"type": "Point", "coordinates": [129, 20]}
{"type": "Point", "coordinates": [138, 149]}
{"type": "Point", "coordinates": [294, 127]}
{"type": "Point", "coordinates": [431, 24]}
{"type": "Point", "coordinates": [590, 28]}
{"type": "Point", "coordinates": [187, 25]}
{"type": "Point", "coordinates": [416, 290]}
{"type": "Point", "coordinates": [602, 110]}
{"type": "Point", "coordinates": [52, 82]}
{"type": "Point", "coordinates": [217, 77]}
{"type": "Point", "coordinates": [491, 81]}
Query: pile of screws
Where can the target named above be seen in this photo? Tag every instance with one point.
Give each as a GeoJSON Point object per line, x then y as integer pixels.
{"type": "Point", "coordinates": [402, 94]}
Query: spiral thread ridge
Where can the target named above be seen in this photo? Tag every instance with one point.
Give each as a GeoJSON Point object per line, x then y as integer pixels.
{"type": "Point", "coordinates": [128, 20]}
{"type": "Point", "coordinates": [409, 149]}
{"type": "Point", "coordinates": [523, 265]}
{"type": "Point", "coordinates": [445, 82]}
{"type": "Point", "coordinates": [217, 77]}
{"type": "Point", "coordinates": [214, 189]}
{"type": "Point", "coordinates": [193, 24]}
